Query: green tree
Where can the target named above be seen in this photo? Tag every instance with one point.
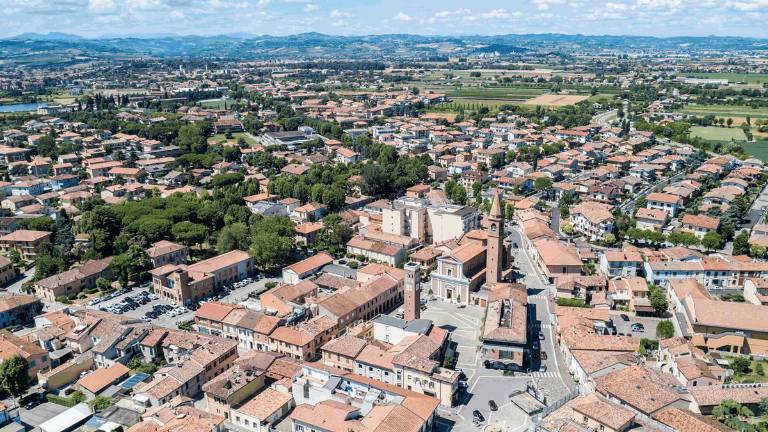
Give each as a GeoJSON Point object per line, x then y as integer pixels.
{"type": "Point", "coordinates": [231, 237]}
{"type": "Point", "coordinates": [334, 235]}
{"type": "Point", "coordinates": [741, 244]}
{"type": "Point", "coordinates": [100, 403]}
{"type": "Point", "coordinates": [730, 409]}
{"type": "Point", "coordinates": [665, 329]}
{"type": "Point", "coordinates": [712, 241]}
{"type": "Point", "coordinates": [682, 238]}
{"type": "Point", "coordinates": [103, 284]}
{"type": "Point", "coordinates": [14, 376]}
{"type": "Point", "coordinates": [47, 265]}
{"type": "Point", "coordinates": [658, 300]}
{"type": "Point", "coordinates": [375, 180]}
{"type": "Point", "coordinates": [189, 233]}
{"type": "Point", "coordinates": [459, 195]}
{"type": "Point", "coordinates": [271, 241]}
{"type": "Point", "coordinates": [542, 183]}
{"type": "Point", "coordinates": [741, 365]}
{"type": "Point", "coordinates": [757, 251]}
{"type": "Point", "coordinates": [131, 266]}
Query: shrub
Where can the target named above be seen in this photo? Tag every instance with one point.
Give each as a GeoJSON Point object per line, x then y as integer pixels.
{"type": "Point", "coordinates": [571, 302]}
{"type": "Point", "coordinates": [270, 285]}
{"type": "Point", "coordinates": [665, 329]}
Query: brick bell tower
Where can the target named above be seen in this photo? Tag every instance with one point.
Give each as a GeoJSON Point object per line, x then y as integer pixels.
{"type": "Point", "coordinates": [412, 291]}
{"type": "Point", "coordinates": [495, 255]}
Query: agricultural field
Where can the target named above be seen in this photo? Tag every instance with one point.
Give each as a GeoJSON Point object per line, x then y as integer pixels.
{"type": "Point", "coordinates": [726, 111]}
{"type": "Point", "coordinates": [758, 149]}
{"type": "Point", "coordinates": [555, 100]}
{"type": "Point", "coordinates": [718, 133]}
{"type": "Point", "coordinates": [731, 77]}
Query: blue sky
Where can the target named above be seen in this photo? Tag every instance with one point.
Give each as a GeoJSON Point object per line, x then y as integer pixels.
{"type": "Point", "coordinates": [349, 17]}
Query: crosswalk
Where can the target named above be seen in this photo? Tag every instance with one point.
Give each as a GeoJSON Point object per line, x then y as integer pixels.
{"type": "Point", "coordinates": [540, 325]}
{"type": "Point", "coordinates": [538, 297]}
{"type": "Point", "coordinates": [548, 374]}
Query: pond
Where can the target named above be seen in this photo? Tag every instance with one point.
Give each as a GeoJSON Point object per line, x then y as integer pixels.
{"type": "Point", "coordinates": [20, 107]}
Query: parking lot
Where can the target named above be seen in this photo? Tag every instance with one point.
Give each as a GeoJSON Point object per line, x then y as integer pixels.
{"type": "Point", "coordinates": [165, 319]}
{"type": "Point", "coordinates": [624, 327]}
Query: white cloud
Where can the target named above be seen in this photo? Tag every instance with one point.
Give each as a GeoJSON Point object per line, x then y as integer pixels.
{"type": "Point", "coordinates": [337, 13]}
{"type": "Point", "coordinates": [402, 16]}
{"type": "Point", "coordinates": [311, 7]}
{"type": "Point", "coordinates": [499, 14]}
{"type": "Point", "coordinates": [101, 5]}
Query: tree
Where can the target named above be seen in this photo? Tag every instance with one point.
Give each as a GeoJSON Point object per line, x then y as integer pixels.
{"type": "Point", "coordinates": [741, 244]}
{"type": "Point", "coordinates": [271, 241]}
{"type": "Point", "coordinates": [131, 265]}
{"type": "Point", "coordinates": [741, 365]}
{"type": "Point", "coordinates": [189, 233]}
{"type": "Point", "coordinates": [334, 235]}
{"type": "Point", "coordinates": [730, 409]}
{"type": "Point", "coordinates": [231, 237]}
{"type": "Point", "coordinates": [459, 195]}
{"type": "Point", "coordinates": [100, 403]}
{"type": "Point", "coordinates": [757, 251]}
{"type": "Point", "coordinates": [665, 329]}
{"type": "Point", "coordinates": [47, 265]}
{"type": "Point", "coordinates": [682, 238]}
{"type": "Point", "coordinates": [103, 284]}
{"type": "Point", "coordinates": [542, 183]}
{"type": "Point", "coordinates": [712, 241]}
{"type": "Point", "coordinates": [375, 180]}
{"type": "Point", "coordinates": [14, 376]}
{"type": "Point", "coordinates": [658, 300]}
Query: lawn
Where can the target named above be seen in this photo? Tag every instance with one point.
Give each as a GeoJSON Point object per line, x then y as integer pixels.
{"type": "Point", "coordinates": [216, 103]}
{"type": "Point", "coordinates": [731, 77]}
{"type": "Point", "coordinates": [726, 111]}
{"type": "Point", "coordinates": [753, 375]}
{"type": "Point", "coordinates": [467, 103]}
{"type": "Point", "coordinates": [758, 149]}
{"type": "Point", "coordinates": [220, 138]}
{"type": "Point", "coordinates": [718, 133]}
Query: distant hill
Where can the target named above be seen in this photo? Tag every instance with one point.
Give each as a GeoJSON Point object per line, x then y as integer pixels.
{"type": "Point", "coordinates": [52, 36]}
{"type": "Point", "coordinates": [62, 48]}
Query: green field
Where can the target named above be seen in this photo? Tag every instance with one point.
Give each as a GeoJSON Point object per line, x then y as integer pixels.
{"type": "Point", "coordinates": [731, 77]}
{"type": "Point", "coordinates": [216, 104]}
{"type": "Point", "coordinates": [726, 111]}
{"type": "Point", "coordinates": [718, 133]}
{"type": "Point", "coordinates": [219, 138]}
{"type": "Point", "coordinates": [758, 149]}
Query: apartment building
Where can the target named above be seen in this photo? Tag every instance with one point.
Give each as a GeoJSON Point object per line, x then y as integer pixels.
{"type": "Point", "coordinates": [592, 219]}
{"type": "Point", "coordinates": [620, 263]}
{"type": "Point", "coordinates": [73, 281]}
{"type": "Point", "coordinates": [16, 309]}
{"type": "Point", "coordinates": [184, 284]}
{"type": "Point", "coordinates": [7, 271]}
{"type": "Point", "coordinates": [28, 243]}
{"type": "Point", "coordinates": [699, 225]}
{"type": "Point", "coordinates": [712, 272]}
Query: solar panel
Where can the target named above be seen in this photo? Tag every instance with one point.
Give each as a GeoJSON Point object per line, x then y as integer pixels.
{"type": "Point", "coordinates": [133, 380]}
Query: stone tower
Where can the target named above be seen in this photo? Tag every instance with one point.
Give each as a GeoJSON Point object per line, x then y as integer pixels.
{"type": "Point", "coordinates": [412, 291]}
{"type": "Point", "coordinates": [494, 263]}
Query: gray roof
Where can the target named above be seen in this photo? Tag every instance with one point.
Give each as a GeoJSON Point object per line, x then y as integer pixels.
{"type": "Point", "coordinates": [420, 326]}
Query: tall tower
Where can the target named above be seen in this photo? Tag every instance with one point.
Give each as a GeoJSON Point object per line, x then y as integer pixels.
{"type": "Point", "coordinates": [495, 254]}
{"type": "Point", "coordinates": [412, 291]}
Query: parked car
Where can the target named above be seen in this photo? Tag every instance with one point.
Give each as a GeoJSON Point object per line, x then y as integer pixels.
{"type": "Point", "coordinates": [541, 335]}
{"type": "Point", "coordinates": [543, 355]}
{"type": "Point", "coordinates": [543, 368]}
{"type": "Point", "coordinates": [478, 417]}
{"type": "Point", "coordinates": [492, 405]}
{"type": "Point", "coordinates": [624, 317]}
{"type": "Point", "coordinates": [638, 328]}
